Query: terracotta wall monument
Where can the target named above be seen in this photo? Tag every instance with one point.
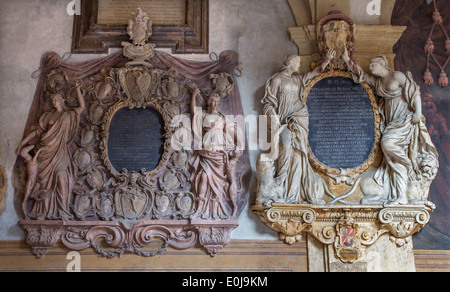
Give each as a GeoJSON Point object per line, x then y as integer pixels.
{"type": "Point", "coordinates": [132, 149]}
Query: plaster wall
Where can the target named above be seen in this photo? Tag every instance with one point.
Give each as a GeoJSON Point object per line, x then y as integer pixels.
{"type": "Point", "coordinates": [256, 29]}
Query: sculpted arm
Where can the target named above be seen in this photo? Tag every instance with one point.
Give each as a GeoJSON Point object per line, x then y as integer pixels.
{"type": "Point", "coordinates": [359, 74]}
{"type": "Point", "coordinates": [270, 100]}
{"type": "Point", "coordinates": [194, 99]}
{"type": "Point", "coordinates": [81, 101]}
{"type": "Point", "coordinates": [31, 136]}
{"type": "Point", "coordinates": [331, 54]}
{"type": "Point", "coordinates": [418, 114]}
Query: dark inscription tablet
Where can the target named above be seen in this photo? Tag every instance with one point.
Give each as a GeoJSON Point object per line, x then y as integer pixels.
{"type": "Point", "coordinates": [136, 139]}
{"type": "Point", "coordinates": [341, 123]}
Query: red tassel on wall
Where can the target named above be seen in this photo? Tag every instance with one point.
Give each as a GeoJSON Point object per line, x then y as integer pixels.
{"type": "Point", "coordinates": [437, 18]}
{"type": "Point", "coordinates": [428, 78]}
{"type": "Point", "coordinates": [429, 47]}
{"type": "Point", "coordinates": [443, 80]}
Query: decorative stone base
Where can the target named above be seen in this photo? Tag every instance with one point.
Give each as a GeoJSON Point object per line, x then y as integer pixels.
{"type": "Point", "coordinates": [383, 256]}
{"type": "Point", "coordinates": [350, 234]}
{"type": "Point", "coordinates": [114, 239]}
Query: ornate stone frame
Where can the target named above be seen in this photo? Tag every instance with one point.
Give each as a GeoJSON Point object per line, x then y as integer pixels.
{"type": "Point", "coordinates": [167, 136]}
{"type": "Point", "coordinates": [192, 38]}
{"type": "Point", "coordinates": [332, 172]}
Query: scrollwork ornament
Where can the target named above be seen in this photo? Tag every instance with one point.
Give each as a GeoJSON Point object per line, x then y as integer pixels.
{"type": "Point", "coordinates": [75, 238]}
{"type": "Point", "coordinates": [403, 222]}
{"type": "Point", "coordinates": [309, 216]}
{"type": "Point", "coordinates": [327, 235]}
{"type": "Point", "coordinates": [273, 215]}
{"type": "Point", "coordinates": [386, 216]}
{"type": "Point", "coordinates": [423, 218]}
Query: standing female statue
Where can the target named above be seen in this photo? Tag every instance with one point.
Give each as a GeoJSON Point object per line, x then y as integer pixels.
{"type": "Point", "coordinates": [405, 139]}
{"type": "Point", "coordinates": [283, 102]}
{"type": "Point", "coordinates": [213, 165]}
{"type": "Point", "coordinates": [50, 169]}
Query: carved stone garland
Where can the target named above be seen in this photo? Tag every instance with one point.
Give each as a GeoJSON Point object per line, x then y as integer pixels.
{"type": "Point", "coordinates": [120, 211]}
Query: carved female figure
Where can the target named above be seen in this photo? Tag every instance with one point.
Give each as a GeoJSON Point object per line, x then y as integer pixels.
{"type": "Point", "coordinates": [50, 169]}
{"type": "Point", "coordinates": [213, 166]}
{"type": "Point", "coordinates": [283, 102]}
{"type": "Point", "coordinates": [405, 138]}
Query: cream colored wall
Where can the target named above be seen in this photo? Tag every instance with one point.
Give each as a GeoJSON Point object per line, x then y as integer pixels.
{"type": "Point", "coordinates": [311, 11]}
{"type": "Point", "coordinates": [256, 29]}
{"type": "Point", "coordinates": [27, 30]}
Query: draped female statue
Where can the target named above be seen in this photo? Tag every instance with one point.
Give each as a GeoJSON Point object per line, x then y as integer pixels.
{"type": "Point", "coordinates": [283, 102]}
{"type": "Point", "coordinates": [50, 168]}
{"type": "Point", "coordinates": [213, 164]}
{"type": "Point", "coordinates": [408, 151]}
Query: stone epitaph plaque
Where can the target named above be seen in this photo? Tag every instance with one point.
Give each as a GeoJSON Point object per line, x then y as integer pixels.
{"type": "Point", "coordinates": [167, 12]}
{"type": "Point", "coordinates": [136, 139]}
{"type": "Point", "coordinates": [342, 134]}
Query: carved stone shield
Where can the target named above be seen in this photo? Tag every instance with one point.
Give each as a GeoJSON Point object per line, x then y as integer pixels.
{"type": "Point", "coordinates": [136, 82]}
{"type": "Point", "coordinates": [348, 242]}
{"type": "Point", "coordinates": [132, 203]}
{"type": "Point", "coordinates": [347, 236]}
